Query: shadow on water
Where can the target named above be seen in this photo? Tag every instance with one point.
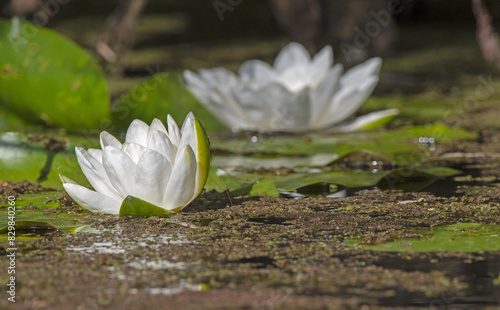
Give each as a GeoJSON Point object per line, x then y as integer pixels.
{"type": "Point", "coordinates": [478, 275]}
{"type": "Point", "coordinates": [445, 187]}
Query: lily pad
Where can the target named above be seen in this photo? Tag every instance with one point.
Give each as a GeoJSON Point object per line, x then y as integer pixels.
{"type": "Point", "coordinates": [24, 158]}
{"type": "Point", "coordinates": [401, 145]}
{"type": "Point", "coordinates": [263, 187]}
{"type": "Point", "coordinates": [410, 179]}
{"type": "Point", "coordinates": [316, 160]}
{"type": "Point", "coordinates": [136, 207]}
{"type": "Point", "coordinates": [462, 237]}
{"type": "Point", "coordinates": [156, 97]}
{"type": "Point", "coordinates": [48, 79]}
{"type": "Point", "coordinates": [30, 228]}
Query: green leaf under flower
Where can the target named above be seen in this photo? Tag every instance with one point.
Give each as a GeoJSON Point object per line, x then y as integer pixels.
{"type": "Point", "coordinates": [135, 207]}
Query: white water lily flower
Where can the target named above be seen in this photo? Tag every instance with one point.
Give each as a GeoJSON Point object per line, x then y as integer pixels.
{"type": "Point", "coordinates": [297, 93]}
{"type": "Point", "coordinates": [166, 168]}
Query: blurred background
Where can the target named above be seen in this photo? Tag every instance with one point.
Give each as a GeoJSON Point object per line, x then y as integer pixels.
{"type": "Point", "coordinates": [133, 39]}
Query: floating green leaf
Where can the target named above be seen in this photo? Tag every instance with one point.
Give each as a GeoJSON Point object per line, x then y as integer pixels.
{"type": "Point", "coordinates": [410, 179]}
{"type": "Point", "coordinates": [136, 207]}
{"type": "Point", "coordinates": [400, 145]}
{"type": "Point", "coordinates": [462, 237]}
{"type": "Point", "coordinates": [46, 78]}
{"type": "Point", "coordinates": [317, 160]}
{"type": "Point", "coordinates": [24, 158]}
{"type": "Point", "coordinates": [259, 188]}
{"type": "Point", "coordinates": [29, 228]}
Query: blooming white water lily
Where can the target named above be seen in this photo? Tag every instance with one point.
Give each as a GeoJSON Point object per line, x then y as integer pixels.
{"type": "Point", "coordinates": [165, 168]}
{"type": "Point", "coordinates": [298, 93]}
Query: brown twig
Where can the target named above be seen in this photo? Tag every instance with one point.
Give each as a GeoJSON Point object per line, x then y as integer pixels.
{"type": "Point", "coordinates": [119, 35]}
{"type": "Point", "coordinates": [486, 36]}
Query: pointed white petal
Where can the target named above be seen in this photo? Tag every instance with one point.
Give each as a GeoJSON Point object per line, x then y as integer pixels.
{"type": "Point", "coordinates": [189, 116]}
{"type": "Point", "coordinates": [95, 173]}
{"type": "Point", "coordinates": [320, 65]}
{"type": "Point", "coordinates": [134, 151]}
{"type": "Point", "coordinates": [218, 76]}
{"type": "Point", "coordinates": [256, 73]}
{"type": "Point", "coordinates": [153, 173]}
{"type": "Point", "coordinates": [293, 55]}
{"type": "Point", "coordinates": [275, 108]}
{"type": "Point", "coordinates": [156, 125]}
{"type": "Point", "coordinates": [368, 121]}
{"type": "Point", "coordinates": [137, 132]}
{"type": "Point", "coordinates": [197, 86]}
{"type": "Point", "coordinates": [217, 97]}
{"type": "Point", "coordinates": [224, 77]}
{"type": "Point", "coordinates": [359, 73]}
{"type": "Point", "coordinates": [294, 79]}
{"type": "Point", "coordinates": [348, 101]}
{"type": "Point", "coordinates": [322, 96]}
{"type": "Point", "coordinates": [120, 169]}
{"type": "Point", "coordinates": [96, 153]}
{"type": "Point", "coordinates": [109, 139]}
{"type": "Point", "coordinates": [181, 186]}
{"type": "Point", "coordinates": [188, 136]}
{"type": "Point", "coordinates": [173, 131]}
{"type": "Point", "coordinates": [92, 201]}
{"type": "Point", "coordinates": [192, 79]}
{"type": "Point", "coordinates": [160, 143]}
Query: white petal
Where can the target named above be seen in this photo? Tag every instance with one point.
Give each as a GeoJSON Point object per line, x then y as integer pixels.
{"type": "Point", "coordinates": [181, 186]}
{"type": "Point", "coordinates": [134, 151]}
{"type": "Point", "coordinates": [156, 125]}
{"type": "Point", "coordinates": [322, 96]}
{"type": "Point", "coordinates": [256, 73]}
{"type": "Point", "coordinates": [222, 76]}
{"type": "Point", "coordinates": [320, 65]}
{"type": "Point", "coordinates": [153, 173]}
{"type": "Point", "coordinates": [293, 113]}
{"type": "Point", "coordinates": [108, 139]}
{"type": "Point", "coordinates": [275, 108]}
{"type": "Point", "coordinates": [96, 174]}
{"type": "Point", "coordinates": [360, 72]}
{"type": "Point", "coordinates": [120, 169]}
{"type": "Point", "coordinates": [96, 153]}
{"type": "Point", "coordinates": [189, 116]}
{"type": "Point", "coordinates": [197, 86]}
{"type": "Point", "coordinates": [294, 79]}
{"type": "Point", "coordinates": [92, 201]}
{"type": "Point", "coordinates": [173, 131]}
{"type": "Point", "coordinates": [216, 97]}
{"type": "Point", "coordinates": [365, 120]}
{"type": "Point", "coordinates": [293, 55]}
{"type": "Point", "coordinates": [160, 143]}
{"type": "Point", "coordinates": [137, 132]}
{"type": "Point", "coordinates": [218, 76]}
{"type": "Point", "coordinates": [188, 135]}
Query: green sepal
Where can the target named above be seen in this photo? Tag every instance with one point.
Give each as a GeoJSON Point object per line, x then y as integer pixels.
{"type": "Point", "coordinates": [135, 207]}
{"type": "Point", "coordinates": [203, 156]}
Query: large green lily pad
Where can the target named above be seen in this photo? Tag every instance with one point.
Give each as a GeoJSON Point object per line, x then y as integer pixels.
{"type": "Point", "coordinates": [47, 79]}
